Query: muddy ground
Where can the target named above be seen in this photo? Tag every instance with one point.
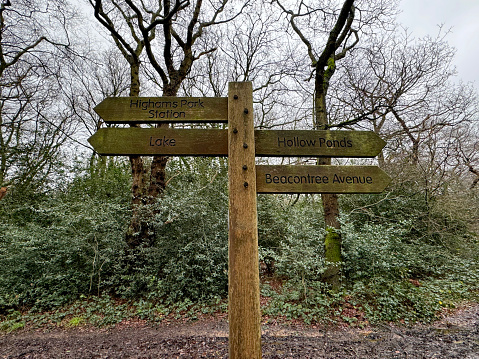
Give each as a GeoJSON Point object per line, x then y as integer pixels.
{"type": "Point", "coordinates": [454, 336]}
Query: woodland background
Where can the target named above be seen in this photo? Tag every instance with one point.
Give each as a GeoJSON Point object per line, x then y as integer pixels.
{"type": "Point", "coordinates": [96, 239]}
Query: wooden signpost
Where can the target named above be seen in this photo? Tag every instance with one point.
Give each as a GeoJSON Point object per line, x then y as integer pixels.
{"type": "Point", "coordinates": [241, 143]}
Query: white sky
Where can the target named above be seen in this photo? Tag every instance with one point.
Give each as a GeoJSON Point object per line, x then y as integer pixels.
{"type": "Point", "coordinates": [422, 17]}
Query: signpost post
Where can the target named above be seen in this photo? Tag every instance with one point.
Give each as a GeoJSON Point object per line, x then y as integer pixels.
{"type": "Point", "coordinates": [241, 143]}
{"type": "Point", "coordinates": [244, 313]}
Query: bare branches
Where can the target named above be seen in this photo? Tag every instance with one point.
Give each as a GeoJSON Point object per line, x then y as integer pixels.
{"type": "Point", "coordinates": [34, 123]}
{"type": "Point", "coordinates": [337, 35]}
{"type": "Point", "coordinates": [296, 29]}
{"type": "Point", "coordinates": [4, 63]}
{"type": "Point", "coordinates": [128, 52]}
{"type": "Point", "coordinates": [14, 46]}
{"type": "Point", "coordinates": [180, 26]}
{"type": "Point", "coordinates": [369, 115]}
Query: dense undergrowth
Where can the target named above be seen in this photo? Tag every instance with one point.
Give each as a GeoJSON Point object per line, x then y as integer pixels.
{"type": "Point", "coordinates": [406, 255]}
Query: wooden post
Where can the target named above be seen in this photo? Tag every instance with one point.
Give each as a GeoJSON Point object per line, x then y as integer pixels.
{"type": "Point", "coordinates": [243, 277]}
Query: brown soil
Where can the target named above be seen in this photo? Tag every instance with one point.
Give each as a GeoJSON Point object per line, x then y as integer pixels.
{"type": "Point", "coordinates": [455, 336]}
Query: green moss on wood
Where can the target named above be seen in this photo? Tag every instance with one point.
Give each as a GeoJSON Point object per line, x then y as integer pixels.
{"type": "Point", "coordinates": [332, 246]}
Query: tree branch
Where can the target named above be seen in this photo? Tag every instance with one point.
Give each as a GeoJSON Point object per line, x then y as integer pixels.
{"type": "Point", "coordinates": [332, 43]}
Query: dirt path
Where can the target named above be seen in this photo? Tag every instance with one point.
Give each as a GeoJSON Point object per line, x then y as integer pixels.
{"type": "Point", "coordinates": [455, 336]}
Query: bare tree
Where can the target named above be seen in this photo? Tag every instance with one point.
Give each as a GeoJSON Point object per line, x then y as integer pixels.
{"type": "Point", "coordinates": [339, 35]}
{"type": "Point", "coordinates": [255, 48]}
{"type": "Point", "coordinates": [34, 123]}
{"type": "Point", "coordinates": [93, 75]}
{"type": "Point", "coordinates": [175, 28]}
{"type": "Point", "coordinates": [404, 90]}
{"type": "Point", "coordinates": [465, 154]}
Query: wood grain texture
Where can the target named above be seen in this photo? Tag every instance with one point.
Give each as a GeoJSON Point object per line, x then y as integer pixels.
{"type": "Point", "coordinates": [243, 275]}
{"type": "Point", "coordinates": [321, 179]}
{"type": "Point", "coordinates": [163, 109]}
{"type": "Point", "coordinates": [160, 141]}
{"type": "Point", "coordinates": [214, 142]}
{"type": "Point", "coordinates": [285, 143]}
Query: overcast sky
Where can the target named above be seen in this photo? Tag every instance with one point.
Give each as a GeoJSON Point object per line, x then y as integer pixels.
{"type": "Point", "coordinates": [422, 17]}
{"type": "Point", "coordinates": [461, 17]}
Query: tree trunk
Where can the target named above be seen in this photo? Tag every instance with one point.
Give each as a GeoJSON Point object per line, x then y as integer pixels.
{"type": "Point", "coordinates": [332, 240]}
{"type": "Point", "coordinates": [325, 66]}
{"type": "Point", "coordinates": [158, 165]}
{"type": "Point", "coordinates": [145, 190]}
{"type": "Point", "coordinates": [136, 229]}
{"type": "Point", "coordinates": [149, 181]}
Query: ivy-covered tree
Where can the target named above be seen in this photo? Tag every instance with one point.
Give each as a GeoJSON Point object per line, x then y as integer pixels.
{"type": "Point", "coordinates": [328, 34]}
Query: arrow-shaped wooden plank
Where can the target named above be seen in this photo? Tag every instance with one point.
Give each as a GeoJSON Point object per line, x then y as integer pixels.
{"type": "Point", "coordinates": [154, 141]}
{"type": "Point", "coordinates": [299, 143]}
{"type": "Point", "coordinates": [320, 179]}
{"type": "Point", "coordinates": [163, 109]}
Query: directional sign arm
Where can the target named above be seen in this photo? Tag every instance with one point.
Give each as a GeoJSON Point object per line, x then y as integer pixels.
{"type": "Point", "coordinates": [320, 179]}
{"type": "Point", "coordinates": [318, 143]}
{"type": "Point", "coordinates": [158, 141]}
{"type": "Point", "coordinates": [163, 109]}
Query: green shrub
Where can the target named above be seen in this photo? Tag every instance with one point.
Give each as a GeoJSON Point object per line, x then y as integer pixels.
{"type": "Point", "coordinates": [400, 252]}
{"type": "Point", "coordinates": [55, 248]}
{"type": "Point", "coordinates": [394, 300]}
{"type": "Point", "coordinates": [189, 258]}
{"type": "Point", "coordinates": [290, 235]}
